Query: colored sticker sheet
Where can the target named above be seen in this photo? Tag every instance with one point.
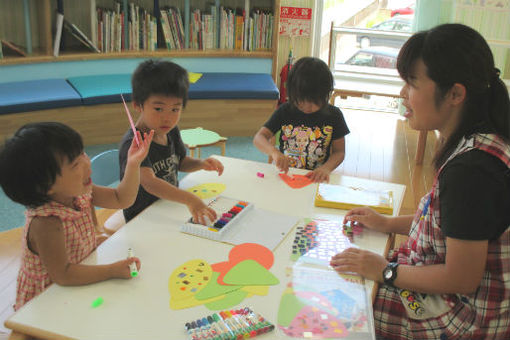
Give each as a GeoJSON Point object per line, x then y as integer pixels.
{"type": "Point", "coordinates": [296, 181]}
{"type": "Point", "coordinates": [207, 190]}
{"type": "Point", "coordinates": [322, 304]}
{"type": "Point", "coordinates": [245, 273]}
{"type": "Point", "coordinates": [317, 240]}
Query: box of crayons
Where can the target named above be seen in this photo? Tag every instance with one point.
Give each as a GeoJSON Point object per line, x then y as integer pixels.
{"type": "Point", "coordinates": [229, 212]}
{"type": "Point", "coordinates": [229, 325]}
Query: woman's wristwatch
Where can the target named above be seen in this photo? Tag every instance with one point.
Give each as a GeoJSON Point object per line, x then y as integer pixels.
{"type": "Point", "coordinates": [390, 273]}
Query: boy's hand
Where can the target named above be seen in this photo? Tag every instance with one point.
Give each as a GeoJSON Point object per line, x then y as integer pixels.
{"type": "Point", "coordinates": [281, 161]}
{"type": "Point", "coordinates": [120, 269]}
{"type": "Point", "coordinates": [212, 164]}
{"type": "Point", "coordinates": [319, 175]}
{"type": "Point", "coordinates": [137, 153]}
{"type": "Point", "coordinates": [200, 211]}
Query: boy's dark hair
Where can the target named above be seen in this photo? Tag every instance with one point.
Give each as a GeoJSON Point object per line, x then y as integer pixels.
{"type": "Point", "coordinates": [159, 77]}
{"type": "Point", "coordinates": [310, 79]}
{"type": "Point", "coordinates": [31, 160]}
{"type": "Point", "coordinates": [455, 53]}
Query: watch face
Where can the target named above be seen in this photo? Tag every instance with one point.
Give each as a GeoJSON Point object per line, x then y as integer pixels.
{"type": "Point", "coordinates": [388, 273]}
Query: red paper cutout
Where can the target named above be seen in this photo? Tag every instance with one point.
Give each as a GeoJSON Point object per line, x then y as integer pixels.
{"type": "Point", "coordinates": [296, 181]}
{"type": "Point", "coordinates": [241, 252]}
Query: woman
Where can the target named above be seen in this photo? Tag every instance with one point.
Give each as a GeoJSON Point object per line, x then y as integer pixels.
{"type": "Point", "coordinates": [451, 279]}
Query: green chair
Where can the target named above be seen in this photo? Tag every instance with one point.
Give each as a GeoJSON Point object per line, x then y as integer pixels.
{"type": "Point", "coordinates": [199, 138]}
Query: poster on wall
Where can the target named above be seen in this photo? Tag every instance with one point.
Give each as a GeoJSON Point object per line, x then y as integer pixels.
{"type": "Point", "coordinates": [295, 21]}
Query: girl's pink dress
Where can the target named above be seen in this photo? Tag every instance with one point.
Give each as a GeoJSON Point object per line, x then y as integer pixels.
{"type": "Point", "coordinates": [80, 241]}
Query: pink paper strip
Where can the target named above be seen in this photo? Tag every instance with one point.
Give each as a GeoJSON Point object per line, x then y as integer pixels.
{"type": "Point", "coordinates": [130, 120]}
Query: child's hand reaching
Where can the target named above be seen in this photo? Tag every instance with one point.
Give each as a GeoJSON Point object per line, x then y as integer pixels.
{"type": "Point", "coordinates": [212, 164]}
{"type": "Point", "coordinates": [137, 153]}
{"type": "Point", "coordinates": [200, 212]}
{"type": "Point", "coordinates": [319, 175]}
{"type": "Point", "coordinates": [120, 269]}
{"type": "Point", "coordinates": [281, 161]}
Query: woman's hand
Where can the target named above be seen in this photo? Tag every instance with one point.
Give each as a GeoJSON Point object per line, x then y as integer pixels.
{"type": "Point", "coordinates": [367, 217]}
{"type": "Point", "coordinates": [212, 164]}
{"type": "Point", "coordinates": [363, 262]}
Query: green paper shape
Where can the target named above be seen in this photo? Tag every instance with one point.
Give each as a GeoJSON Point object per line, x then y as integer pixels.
{"type": "Point", "coordinates": [213, 288]}
{"type": "Point", "coordinates": [250, 273]}
{"type": "Point", "coordinates": [290, 306]}
{"type": "Point", "coordinates": [231, 299]}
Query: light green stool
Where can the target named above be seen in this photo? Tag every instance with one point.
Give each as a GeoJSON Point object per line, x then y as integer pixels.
{"type": "Point", "coordinates": [199, 138]}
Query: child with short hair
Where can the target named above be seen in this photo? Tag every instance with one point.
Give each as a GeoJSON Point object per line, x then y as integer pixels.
{"type": "Point", "coordinates": [450, 279]}
{"type": "Point", "coordinates": [160, 92]}
{"type": "Point", "coordinates": [43, 167]}
{"type": "Point", "coordinates": [311, 130]}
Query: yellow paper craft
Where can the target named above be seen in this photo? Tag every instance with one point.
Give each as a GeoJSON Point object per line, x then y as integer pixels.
{"type": "Point", "coordinates": [207, 190]}
{"type": "Point", "coordinates": [194, 77]}
{"type": "Point", "coordinates": [192, 302]}
{"type": "Point", "coordinates": [256, 290]}
{"type": "Point", "coordinates": [188, 279]}
{"type": "Point", "coordinates": [344, 197]}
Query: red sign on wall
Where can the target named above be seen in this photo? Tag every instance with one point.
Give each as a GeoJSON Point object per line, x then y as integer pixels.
{"type": "Point", "coordinates": [295, 21]}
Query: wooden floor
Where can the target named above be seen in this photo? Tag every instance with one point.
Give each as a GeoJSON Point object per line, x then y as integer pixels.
{"type": "Point", "coordinates": [380, 146]}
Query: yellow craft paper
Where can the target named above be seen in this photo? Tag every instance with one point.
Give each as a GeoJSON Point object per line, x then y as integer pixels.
{"type": "Point", "coordinates": [207, 190]}
{"type": "Point", "coordinates": [256, 290]}
{"type": "Point", "coordinates": [191, 302]}
{"type": "Point", "coordinates": [189, 278]}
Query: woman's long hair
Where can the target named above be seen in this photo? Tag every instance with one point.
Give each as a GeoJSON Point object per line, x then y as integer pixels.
{"type": "Point", "coordinates": [455, 53]}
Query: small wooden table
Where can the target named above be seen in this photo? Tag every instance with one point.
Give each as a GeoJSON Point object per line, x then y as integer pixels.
{"type": "Point", "coordinates": [358, 88]}
{"type": "Point", "coordinates": [198, 138]}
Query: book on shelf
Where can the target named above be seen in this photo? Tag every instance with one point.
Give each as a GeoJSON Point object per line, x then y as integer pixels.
{"type": "Point", "coordinates": [58, 33]}
{"type": "Point", "coordinates": [348, 197]}
{"type": "Point", "coordinates": [165, 25]}
{"type": "Point", "coordinates": [80, 36]}
{"type": "Point", "coordinates": [10, 48]}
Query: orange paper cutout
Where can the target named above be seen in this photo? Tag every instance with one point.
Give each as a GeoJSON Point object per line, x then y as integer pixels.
{"type": "Point", "coordinates": [242, 252]}
{"type": "Point", "coordinates": [296, 181]}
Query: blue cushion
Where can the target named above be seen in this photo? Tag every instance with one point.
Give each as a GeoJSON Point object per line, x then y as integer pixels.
{"type": "Point", "coordinates": [234, 86]}
{"type": "Point", "coordinates": [102, 89]}
{"type": "Point", "coordinates": [37, 95]}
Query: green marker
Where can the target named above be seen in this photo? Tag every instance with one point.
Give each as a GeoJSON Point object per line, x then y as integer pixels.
{"type": "Point", "coordinates": [132, 265]}
{"type": "Point", "coordinates": [97, 302]}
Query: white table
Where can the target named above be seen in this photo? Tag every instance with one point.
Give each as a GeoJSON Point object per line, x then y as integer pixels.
{"type": "Point", "coordinates": [139, 308]}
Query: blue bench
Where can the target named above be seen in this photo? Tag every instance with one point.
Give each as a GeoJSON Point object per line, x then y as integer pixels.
{"type": "Point", "coordinates": [232, 104]}
{"type": "Point", "coordinates": [37, 95]}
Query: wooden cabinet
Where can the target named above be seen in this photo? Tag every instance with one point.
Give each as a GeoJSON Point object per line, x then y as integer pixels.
{"type": "Point", "coordinates": [134, 29]}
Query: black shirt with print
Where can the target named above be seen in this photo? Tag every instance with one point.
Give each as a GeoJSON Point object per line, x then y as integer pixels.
{"type": "Point", "coordinates": [164, 161]}
{"type": "Point", "coordinates": [306, 137]}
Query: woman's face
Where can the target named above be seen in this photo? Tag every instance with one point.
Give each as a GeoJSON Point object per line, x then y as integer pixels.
{"type": "Point", "coordinates": [420, 101]}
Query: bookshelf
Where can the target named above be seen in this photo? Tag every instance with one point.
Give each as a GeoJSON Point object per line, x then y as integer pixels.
{"type": "Point", "coordinates": [134, 29]}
